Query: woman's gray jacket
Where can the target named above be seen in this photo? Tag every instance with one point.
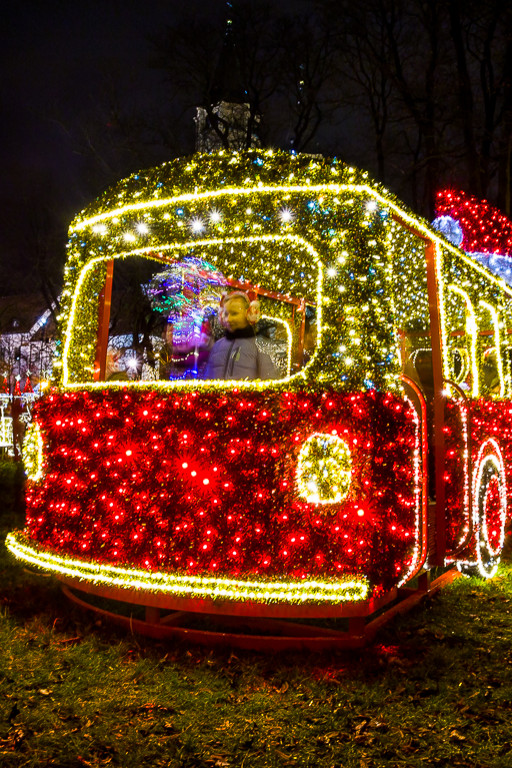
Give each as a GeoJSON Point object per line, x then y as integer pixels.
{"type": "Point", "coordinates": [236, 356]}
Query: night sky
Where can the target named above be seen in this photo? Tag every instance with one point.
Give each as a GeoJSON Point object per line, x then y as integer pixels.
{"type": "Point", "coordinates": [62, 62]}
{"type": "Point", "coordinates": [57, 60]}
{"type": "Point", "coordinates": [65, 62]}
{"type": "Point", "coordinates": [55, 56]}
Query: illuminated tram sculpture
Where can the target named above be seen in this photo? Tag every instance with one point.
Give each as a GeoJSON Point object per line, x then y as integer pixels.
{"type": "Point", "coordinates": [380, 453]}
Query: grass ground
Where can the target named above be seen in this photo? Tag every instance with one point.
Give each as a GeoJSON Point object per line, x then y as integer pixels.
{"type": "Point", "coordinates": [434, 690]}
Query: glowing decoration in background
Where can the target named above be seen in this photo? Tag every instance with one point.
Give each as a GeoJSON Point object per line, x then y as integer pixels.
{"type": "Point", "coordinates": [485, 229]}
{"type": "Point", "coordinates": [476, 226]}
{"type": "Point", "coordinates": [33, 452]}
{"type": "Point", "coordinates": [16, 406]}
{"type": "Point", "coordinates": [187, 286]}
{"type": "Point", "coordinates": [187, 293]}
{"type": "Point", "coordinates": [324, 469]}
{"type": "Point", "coordinates": [6, 431]}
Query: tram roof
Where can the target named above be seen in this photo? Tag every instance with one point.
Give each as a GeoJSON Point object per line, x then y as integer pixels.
{"type": "Point", "coordinates": [212, 178]}
{"type": "Point", "coordinates": [225, 172]}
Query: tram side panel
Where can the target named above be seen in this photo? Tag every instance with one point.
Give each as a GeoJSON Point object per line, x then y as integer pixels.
{"type": "Point", "coordinates": [188, 482]}
{"type": "Point", "coordinates": [477, 430]}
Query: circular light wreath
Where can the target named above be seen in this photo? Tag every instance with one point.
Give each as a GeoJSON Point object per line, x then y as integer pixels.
{"type": "Point", "coordinates": [492, 528]}
{"type": "Point", "coordinates": [324, 469]}
{"type": "Point", "coordinates": [491, 471]}
{"type": "Point", "coordinates": [32, 453]}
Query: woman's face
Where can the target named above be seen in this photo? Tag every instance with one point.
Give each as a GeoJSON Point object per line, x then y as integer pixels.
{"type": "Point", "coordinates": [236, 314]}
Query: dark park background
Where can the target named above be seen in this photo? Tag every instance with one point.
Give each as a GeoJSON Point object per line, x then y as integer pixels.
{"type": "Point", "coordinates": [417, 93]}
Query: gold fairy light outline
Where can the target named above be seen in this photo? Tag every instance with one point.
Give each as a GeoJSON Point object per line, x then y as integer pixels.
{"type": "Point", "coordinates": [350, 588]}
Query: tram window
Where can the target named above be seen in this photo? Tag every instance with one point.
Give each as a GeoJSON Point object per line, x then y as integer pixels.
{"type": "Point", "coordinates": [507, 363]}
{"type": "Point", "coordinates": [310, 334]}
{"type": "Point", "coordinates": [416, 353]}
{"type": "Point", "coordinates": [460, 365]}
{"type": "Point", "coordinates": [490, 377]}
{"type": "Point", "coordinates": [135, 329]}
{"type": "Point", "coordinates": [422, 361]}
{"type": "Point", "coordinates": [412, 314]}
{"type": "Point", "coordinates": [167, 321]}
{"type": "Point", "coordinates": [460, 345]}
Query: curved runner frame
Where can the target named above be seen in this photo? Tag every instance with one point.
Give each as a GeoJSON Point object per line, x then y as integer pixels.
{"type": "Point", "coordinates": [273, 635]}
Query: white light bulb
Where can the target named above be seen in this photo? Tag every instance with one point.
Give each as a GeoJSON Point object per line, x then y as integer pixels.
{"type": "Point", "coordinates": [197, 225]}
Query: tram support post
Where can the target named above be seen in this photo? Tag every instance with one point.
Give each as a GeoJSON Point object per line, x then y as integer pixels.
{"type": "Point", "coordinates": [152, 615]}
{"type": "Point", "coordinates": [105, 300]}
{"type": "Point", "coordinates": [424, 581]}
{"type": "Point", "coordinates": [439, 404]}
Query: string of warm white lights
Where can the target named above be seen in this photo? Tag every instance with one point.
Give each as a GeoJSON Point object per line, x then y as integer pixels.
{"type": "Point", "coordinates": [232, 589]}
